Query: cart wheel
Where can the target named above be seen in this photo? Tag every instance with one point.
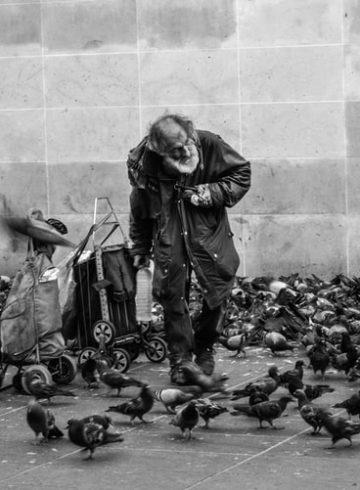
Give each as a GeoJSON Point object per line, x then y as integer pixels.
{"type": "Point", "coordinates": [133, 350]}
{"type": "Point", "coordinates": [63, 369]}
{"type": "Point", "coordinates": [40, 370]}
{"type": "Point", "coordinates": [121, 359]}
{"type": "Point", "coordinates": [16, 381]}
{"type": "Point", "coordinates": [156, 350]}
{"type": "Point", "coordinates": [85, 354]}
{"type": "Point", "coordinates": [103, 329]}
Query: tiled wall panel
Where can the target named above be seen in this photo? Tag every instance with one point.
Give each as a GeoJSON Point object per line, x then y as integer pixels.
{"type": "Point", "coordinates": [89, 27]}
{"type": "Point", "coordinates": [106, 80]}
{"type": "Point", "coordinates": [82, 79]}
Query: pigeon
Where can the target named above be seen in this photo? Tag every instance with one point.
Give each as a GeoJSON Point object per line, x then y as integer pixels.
{"type": "Point", "coordinates": [348, 357]}
{"type": "Point", "coordinates": [264, 411]}
{"type": "Point", "coordinates": [42, 421]}
{"type": "Point", "coordinates": [292, 379]}
{"type": "Point", "coordinates": [351, 405]}
{"type": "Point", "coordinates": [268, 384]}
{"type": "Point", "coordinates": [276, 342]}
{"type": "Point", "coordinates": [309, 412]}
{"type": "Point", "coordinates": [90, 373]}
{"type": "Point", "coordinates": [235, 343]}
{"type": "Point", "coordinates": [319, 357]}
{"type": "Point", "coordinates": [338, 427]}
{"type": "Point", "coordinates": [90, 435]}
{"type": "Point", "coordinates": [297, 372]}
{"type": "Point", "coordinates": [172, 397]}
{"type": "Point", "coordinates": [136, 407]}
{"type": "Point", "coordinates": [209, 410]}
{"type": "Point", "coordinates": [103, 420]}
{"type": "Point", "coordinates": [40, 389]}
{"type": "Point", "coordinates": [315, 391]}
{"type": "Point", "coordinates": [257, 396]}
{"type": "Point", "coordinates": [117, 380]}
{"type": "Point", "coordinates": [194, 375]}
{"type": "Point", "coordinates": [186, 418]}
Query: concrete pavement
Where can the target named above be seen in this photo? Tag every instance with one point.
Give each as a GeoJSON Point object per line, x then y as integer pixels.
{"type": "Point", "coordinates": [233, 453]}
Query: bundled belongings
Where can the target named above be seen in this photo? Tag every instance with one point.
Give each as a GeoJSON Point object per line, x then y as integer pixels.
{"type": "Point", "coordinates": [30, 322]}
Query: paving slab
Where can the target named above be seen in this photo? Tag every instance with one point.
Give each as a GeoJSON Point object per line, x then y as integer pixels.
{"type": "Point", "coordinates": [232, 453]}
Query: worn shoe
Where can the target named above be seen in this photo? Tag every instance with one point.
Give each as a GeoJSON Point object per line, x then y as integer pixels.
{"type": "Point", "coordinates": [205, 360]}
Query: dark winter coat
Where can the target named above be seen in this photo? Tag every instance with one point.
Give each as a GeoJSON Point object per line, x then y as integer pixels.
{"type": "Point", "coordinates": [162, 222]}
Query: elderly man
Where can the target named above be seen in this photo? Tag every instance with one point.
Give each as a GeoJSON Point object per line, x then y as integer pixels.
{"type": "Point", "coordinates": [182, 181]}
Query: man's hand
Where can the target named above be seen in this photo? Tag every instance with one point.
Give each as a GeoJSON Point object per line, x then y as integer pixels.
{"type": "Point", "coordinates": [141, 261]}
{"type": "Point", "coordinates": [201, 197]}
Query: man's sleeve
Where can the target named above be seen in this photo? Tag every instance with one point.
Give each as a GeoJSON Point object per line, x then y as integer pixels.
{"type": "Point", "coordinates": [141, 225]}
{"type": "Point", "coordinates": [233, 178]}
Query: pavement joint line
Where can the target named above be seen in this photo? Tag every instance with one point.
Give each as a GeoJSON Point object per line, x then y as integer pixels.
{"type": "Point", "coordinates": [250, 458]}
{"type": "Point", "coordinates": [240, 463]}
{"type": "Point", "coordinates": [131, 429]}
{"type": "Point", "coordinates": [208, 453]}
{"type": "Point", "coordinates": [63, 456]}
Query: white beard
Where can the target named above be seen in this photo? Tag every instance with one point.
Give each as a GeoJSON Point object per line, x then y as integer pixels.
{"type": "Point", "coordinates": [185, 166]}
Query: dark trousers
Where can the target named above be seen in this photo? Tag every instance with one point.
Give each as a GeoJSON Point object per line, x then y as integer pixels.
{"type": "Point", "coordinates": [186, 335]}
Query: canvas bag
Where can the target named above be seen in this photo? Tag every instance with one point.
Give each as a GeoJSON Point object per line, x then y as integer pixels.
{"type": "Point", "coordinates": [30, 323]}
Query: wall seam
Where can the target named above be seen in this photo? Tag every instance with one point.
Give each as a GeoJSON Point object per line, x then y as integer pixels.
{"type": "Point", "coordinates": [44, 110]}
{"type": "Point", "coordinates": [238, 59]}
{"type": "Point", "coordinates": [346, 189]}
{"type": "Point", "coordinates": [138, 56]}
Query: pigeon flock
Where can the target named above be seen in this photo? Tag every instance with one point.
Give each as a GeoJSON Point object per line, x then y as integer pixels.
{"type": "Point", "coordinates": [320, 320]}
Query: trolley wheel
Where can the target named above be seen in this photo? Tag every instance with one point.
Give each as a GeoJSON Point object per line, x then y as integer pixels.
{"type": "Point", "coordinates": [40, 370]}
{"type": "Point", "coordinates": [16, 381]}
{"type": "Point", "coordinates": [85, 354]}
{"type": "Point", "coordinates": [102, 329]}
{"type": "Point", "coordinates": [63, 369]}
{"type": "Point", "coordinates": [133, 350]}
{"type": "Point", "coordinates": [156, 349]}
{"type": "Point", "coordinates": [121, 359]}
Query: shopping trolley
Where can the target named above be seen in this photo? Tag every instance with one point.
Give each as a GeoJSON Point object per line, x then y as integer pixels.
{"type": "Point", "coordinates": [107, 321]}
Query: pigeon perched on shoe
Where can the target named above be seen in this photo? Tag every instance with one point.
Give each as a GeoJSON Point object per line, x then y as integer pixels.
{"type": "Point", "coordinates": [136, 407]}
{"type": "Point", "coordinates": [195, 376]}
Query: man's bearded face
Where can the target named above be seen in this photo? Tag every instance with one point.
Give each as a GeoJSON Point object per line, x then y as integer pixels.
{"type": "Point", "coordinates": [181, 155]}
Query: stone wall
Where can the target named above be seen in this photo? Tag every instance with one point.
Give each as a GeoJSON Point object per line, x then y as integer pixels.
{"type": "Point", "coordinates": [278, 79]}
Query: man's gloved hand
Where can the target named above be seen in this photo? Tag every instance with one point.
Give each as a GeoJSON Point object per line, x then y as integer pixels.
{"type": "Point", "coordinates": [201, 197]}
{"type": "Point", "coordinates": [141, 261]}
